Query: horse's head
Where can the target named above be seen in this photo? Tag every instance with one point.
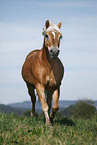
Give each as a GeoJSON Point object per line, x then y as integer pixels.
{"type": "Point", "coordinates": [52, 36]}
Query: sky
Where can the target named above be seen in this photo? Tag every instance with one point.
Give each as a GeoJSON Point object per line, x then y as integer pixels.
{"type": "Point", "coordinates": [21, 24]}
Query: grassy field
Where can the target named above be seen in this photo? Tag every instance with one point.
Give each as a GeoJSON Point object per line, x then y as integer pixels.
{"type": "Point", "coordinates": [27, 131]}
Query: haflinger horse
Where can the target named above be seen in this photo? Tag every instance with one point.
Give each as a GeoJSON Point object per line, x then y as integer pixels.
{"type": "Point", "coordinates": [43, 71]}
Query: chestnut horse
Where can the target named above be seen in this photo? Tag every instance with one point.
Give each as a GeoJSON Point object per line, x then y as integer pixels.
{"type": "Point", "coordinates": [43, 71]}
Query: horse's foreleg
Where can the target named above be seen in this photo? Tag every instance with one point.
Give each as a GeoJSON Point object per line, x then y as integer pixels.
{"type": "Point", "coordinates": [55, 103]}
{"type": "Point", "coordinates": [40, 91]}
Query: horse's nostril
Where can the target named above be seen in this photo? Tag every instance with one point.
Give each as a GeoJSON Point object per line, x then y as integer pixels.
{"type": "Point", "coordinates": [51, 50]}
{"type": "Point", "coordinates": [54, 52]}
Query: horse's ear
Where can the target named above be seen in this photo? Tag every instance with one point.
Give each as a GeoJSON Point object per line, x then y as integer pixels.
{"type": "Point", "coordinates": [47, 24]}
{"type": "Point", "coordinates": [59, 25]}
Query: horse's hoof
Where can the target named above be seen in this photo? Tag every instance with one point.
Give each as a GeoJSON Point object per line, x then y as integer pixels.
{"type": "Point", "coordinates": [32, 115]}
{"type": "Point", "coordinates": [48, 123]}
{"type": "Point", "coordinates": [51, 119]}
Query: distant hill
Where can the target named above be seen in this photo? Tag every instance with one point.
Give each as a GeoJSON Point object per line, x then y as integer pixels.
{"type": "Point", "coordinates": [15, 110]}
{"type": "Point", "coordinates": [9, 109]}
{"type": "Point", "coordinates": [27, 104]}
{"type": "Point", "coordinates": [19, 108]}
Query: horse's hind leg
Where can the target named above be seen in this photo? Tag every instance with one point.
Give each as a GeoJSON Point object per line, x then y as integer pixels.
{"type": "Point", "coordinates": [33, 97]}
{"type": "Point", "coordinates": [49, 99]}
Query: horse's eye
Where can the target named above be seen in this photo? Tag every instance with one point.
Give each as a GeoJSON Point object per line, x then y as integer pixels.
{"type": "Point", "coordinates": [46, 36]}
{"type": "Point", "coordinates": [60, 37]}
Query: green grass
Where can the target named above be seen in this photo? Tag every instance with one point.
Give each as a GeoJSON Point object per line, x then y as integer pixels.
{"type": "Point", "coordinates": [27, 131]}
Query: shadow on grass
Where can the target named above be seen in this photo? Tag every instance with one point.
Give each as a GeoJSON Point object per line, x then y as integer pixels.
{"type": "Point", "coordinates": [57, 119]}
{"type": "Point", "coordinates": [64, 121]}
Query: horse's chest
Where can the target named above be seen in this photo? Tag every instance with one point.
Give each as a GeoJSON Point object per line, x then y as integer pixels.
{"type": "Point", "coordinates": [51, 80]}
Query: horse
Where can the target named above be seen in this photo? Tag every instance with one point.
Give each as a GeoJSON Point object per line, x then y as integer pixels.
{"type": "Point", "coordinates": [43, 71]}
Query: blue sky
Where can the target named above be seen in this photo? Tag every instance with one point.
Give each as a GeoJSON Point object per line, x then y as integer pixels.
{"type": "Point", "coordinates": [21, 24]}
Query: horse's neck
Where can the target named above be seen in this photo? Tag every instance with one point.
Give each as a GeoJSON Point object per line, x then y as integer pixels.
{"type": "Point", "coordinates": [47, 59]}
{"type": "Point", "coordinates": [45, 55]}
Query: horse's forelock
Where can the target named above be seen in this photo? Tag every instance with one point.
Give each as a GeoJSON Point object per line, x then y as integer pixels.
{"type": "Point", "coordinates": [52, 28]}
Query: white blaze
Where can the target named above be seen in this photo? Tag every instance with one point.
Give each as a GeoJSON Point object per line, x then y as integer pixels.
{"type": "Point", "coordinates": [53, 34]}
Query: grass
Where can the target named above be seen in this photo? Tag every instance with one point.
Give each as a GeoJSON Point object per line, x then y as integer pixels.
{"type": "Point", "coordinates": [27, 131]}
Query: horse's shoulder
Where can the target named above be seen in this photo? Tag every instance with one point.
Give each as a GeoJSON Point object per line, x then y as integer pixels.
{"type": "Point", "coordinates": [32, 53]}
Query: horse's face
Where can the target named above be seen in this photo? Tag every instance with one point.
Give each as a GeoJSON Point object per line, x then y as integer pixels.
{"type": "Point", "coordinates": [52, 38]}
{"type": "Point", "coordinates": [52, 42]}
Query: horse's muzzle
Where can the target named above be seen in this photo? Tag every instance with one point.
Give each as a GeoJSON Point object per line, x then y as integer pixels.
{"type": "Point", "coordinates": [54, 53]}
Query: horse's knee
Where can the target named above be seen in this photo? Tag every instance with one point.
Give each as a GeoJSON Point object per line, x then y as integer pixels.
{"type": "Point", "coordinates": [45, 107]}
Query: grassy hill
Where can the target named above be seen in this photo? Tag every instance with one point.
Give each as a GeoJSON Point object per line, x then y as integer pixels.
{"type": "Point", "coordinates": [27, 131]}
